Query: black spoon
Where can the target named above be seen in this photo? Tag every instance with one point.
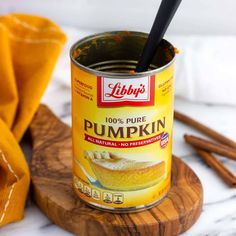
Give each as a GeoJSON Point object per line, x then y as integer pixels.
{"type": "Point", "coordinates": [163, 18]}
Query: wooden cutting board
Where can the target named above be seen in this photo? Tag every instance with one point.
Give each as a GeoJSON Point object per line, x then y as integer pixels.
{"type": "Point", "coordinates": [53, 193]}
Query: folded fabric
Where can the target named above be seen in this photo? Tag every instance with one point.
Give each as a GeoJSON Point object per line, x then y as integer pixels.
{"type": "Point", "coordinates": [29, 48]}
{"type": "Point", "coordinates": [205, 70]}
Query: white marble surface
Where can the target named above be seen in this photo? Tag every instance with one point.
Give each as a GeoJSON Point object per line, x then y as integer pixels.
{"type": "Point", "coordinates": [219, 212]}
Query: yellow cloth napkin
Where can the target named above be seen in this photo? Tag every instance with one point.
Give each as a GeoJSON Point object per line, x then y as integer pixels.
{"type": "Point", "coordinates": [29, 48]}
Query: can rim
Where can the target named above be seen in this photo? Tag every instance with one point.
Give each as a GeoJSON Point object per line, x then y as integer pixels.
{"type": "Point", "coordinates": [116, 74]}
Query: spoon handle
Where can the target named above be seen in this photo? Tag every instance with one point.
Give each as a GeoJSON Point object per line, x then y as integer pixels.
{"type": "Point", "coordinates": [163, 18]}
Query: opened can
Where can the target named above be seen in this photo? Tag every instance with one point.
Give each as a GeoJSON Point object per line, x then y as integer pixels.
{"type": "Point", "coordinates": [121, 121]}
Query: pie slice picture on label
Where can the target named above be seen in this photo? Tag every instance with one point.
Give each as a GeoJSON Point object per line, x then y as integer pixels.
{"type": "Point", "coordinates": [117, 173]}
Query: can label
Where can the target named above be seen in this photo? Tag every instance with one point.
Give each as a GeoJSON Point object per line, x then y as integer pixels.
{"type": "Point", "coordinates": [122, 138]}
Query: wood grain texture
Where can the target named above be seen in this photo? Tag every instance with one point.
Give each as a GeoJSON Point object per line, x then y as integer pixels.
{"type": "Point", "coordinates": [53, 193]}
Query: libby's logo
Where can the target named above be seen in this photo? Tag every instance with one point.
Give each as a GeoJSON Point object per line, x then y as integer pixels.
{"type": "Point", "coordinates": [125, 92]}
{"type": "Point", "coordinates": [119, 91]}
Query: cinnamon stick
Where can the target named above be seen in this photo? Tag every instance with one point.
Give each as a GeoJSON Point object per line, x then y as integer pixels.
{"type": "Point", "coordinates": [204, 129]}
{"type": "Point", "coordinates": [218, 167]}
{"type": "Point", "coordinates": [211, 146]}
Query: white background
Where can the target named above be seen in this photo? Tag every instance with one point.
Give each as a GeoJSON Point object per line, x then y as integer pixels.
{"type": "Point", "coordinates": [194, 17]}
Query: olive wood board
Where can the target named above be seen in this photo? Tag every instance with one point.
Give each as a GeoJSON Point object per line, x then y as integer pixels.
{"type": "Point", "coordinates": [51, 171]}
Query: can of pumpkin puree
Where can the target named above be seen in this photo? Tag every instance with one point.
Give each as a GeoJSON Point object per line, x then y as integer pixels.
{"type": "Point", "coordinates": [121, 122]}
